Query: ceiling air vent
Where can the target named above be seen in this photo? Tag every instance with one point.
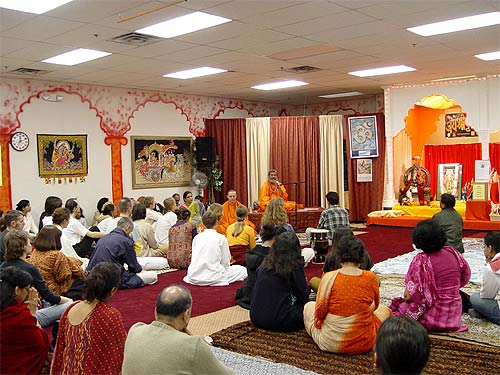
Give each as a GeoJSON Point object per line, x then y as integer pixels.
{"type": "Point", "coordinates": [29, 71]}
{"type": "Point", "coordinates": [303, 69]}
{"type": "Point", "coordinates": [136, 39]}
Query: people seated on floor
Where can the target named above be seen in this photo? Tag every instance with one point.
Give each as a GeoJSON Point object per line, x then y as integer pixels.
{"type": "Point", "coordinates": [180, 241]}
{"type": "Point", "coordinates": [2, 221]}
{"type": "Point", "coordinates": [81, 238]}
{"type": "Point", "coordinates": [333, 217]}
{"type": "Point", "coordinates": [229, 212]}
{"type": "Point", "coordinates": [192, 206]}
{"type": "Point", "coordinates": [332, 260]}
{"type": "Point", "coordinates": [166, 221]}
{"type": "Point", "coordinates": [30, 227]}
{"type": "Point", "coordinates": [253, 260]}
{"type": "Point", "coordinates": [272, 188]}
{"type": "Point", "coordinates": [125, 206]}
{"type": "Point", "coordinates": [107, 215]}
{"type": "Point", "coordinates": [240, 236]}
{"type": "Point", "coordinates": [151, 215]}
{"type": "Point", "coordinates": [486, 304]}
{"type": "Point", "coordinates": [166, 346]}
{"type": "Point", "coordinates": [63, 275]}
{"type": "Point", "coordinates": [218, 211]}
{"type": "Point", "coordinates": [433, 281]}
{"type": "Point", "coordinates": [60, 218]}
{"type": "Point", "coordinates": [451, 222]}
{"type": "Point", "coordinates": [14, 220]}
{"type": "Point", "coordinates": [199, 199]}
{"type": "Point", "coordinates": [149, 247]}
{"type": "Point", "coordinates": [91, 336]}
{"type": "Point", "coordinates": [210, 259]}
{"type": "Point", "coordinates": [402, 347]}
{"type": "Point", "coordinates": [17, 250]}
{"type": "Point", "coordinates": [117, 247]}
{"type": "Point", "coordinates": [347, 313]}
{"type": "Point", "coordinates": [275, 213]}
{"type": "Point", "coordinates": [51, 203]}
{"type": "Point", "coordinates": [23, 344]}
{"type": "Point", "coordinates": [98, 213]}
{"type": "Point", "coordinates": [177, 199]}
{"type": "Point", "coordinates": [280, 291]}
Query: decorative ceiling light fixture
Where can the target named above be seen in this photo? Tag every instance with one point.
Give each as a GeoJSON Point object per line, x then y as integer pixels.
{"type": "Point", "coordinates": [341, 95]}
{"type": "Point", "coordinates": [32, 6]}
{"type": "Point", "coordinates": [193, 73]}
{"type": "Point", "coordinates": [382, 71]}
{"type": "Point", "coordinates": [183, 25]}
{"type": "Point", "coordinates": [457, 24]}
{"type": "Point", "coordinates": [279, 85]}
{"type": "Point", "coordinates": [76, 56]}
{"type": "Point", "coordinates": [489, 56]}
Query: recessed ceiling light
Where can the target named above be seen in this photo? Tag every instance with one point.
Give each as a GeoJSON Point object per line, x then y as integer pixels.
{"type": "Point", "coordinates": [382, 71]}
{"type": "Point", "coordinates": [341, 94]}
{"type": "Point", "coordinates": [76, 56]}
{"type": "Point", "coordinates": [279, 85]}
{"type": "Point", "coordinates": [183, 25]}
{"type": "Point", "coordinates": [489, 56]}
{"type": "Point", "coordinates": [32, 6]}
{"type": "Point", "coordinates": [197, 72]}
{"type": "Point", "coordinates": [457, 24]}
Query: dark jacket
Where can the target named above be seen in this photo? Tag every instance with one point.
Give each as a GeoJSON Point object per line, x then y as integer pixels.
{"type": "Point", "coordinates": [253, 259]}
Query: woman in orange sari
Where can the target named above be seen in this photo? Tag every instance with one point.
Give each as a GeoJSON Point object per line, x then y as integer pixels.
{"type": "Point", "coordinates": [346, 315]}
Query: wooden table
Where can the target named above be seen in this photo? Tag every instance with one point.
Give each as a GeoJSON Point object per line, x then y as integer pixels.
{"type": "Point", "coordinates": [300, 219]}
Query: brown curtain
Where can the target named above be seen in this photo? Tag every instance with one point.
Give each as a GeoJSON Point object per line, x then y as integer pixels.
{"type": "Point", "coordinates": [294, 143]}
{"type": "Point", "coordinates": [465, 154]}
{"type": "Point", "coordinates": [365, 197]}
{"type": "Point", "coordinates": [230, 138]}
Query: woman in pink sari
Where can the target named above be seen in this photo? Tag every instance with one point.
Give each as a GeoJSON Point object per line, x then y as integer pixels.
{"type": "Point", "coordinates": [433, 282]}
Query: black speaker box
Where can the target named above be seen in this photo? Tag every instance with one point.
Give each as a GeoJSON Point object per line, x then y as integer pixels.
{"type": "Point", "coordinates": [205, 149]}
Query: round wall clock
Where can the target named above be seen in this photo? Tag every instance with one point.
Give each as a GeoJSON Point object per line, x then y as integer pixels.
{"type": "Point", "coordinates": [19, 141]}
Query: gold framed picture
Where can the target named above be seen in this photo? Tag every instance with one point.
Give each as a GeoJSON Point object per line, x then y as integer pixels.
{"type": "Point", "coordinates": [62, 155]}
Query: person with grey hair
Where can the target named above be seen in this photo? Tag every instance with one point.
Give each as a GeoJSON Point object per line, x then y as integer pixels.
{"type": "Point", "coordinates": [166, 346]}
{"type": "Point", "coordinates": [13, 219]}
{"type": "Point", "coordinates": [117, 247]}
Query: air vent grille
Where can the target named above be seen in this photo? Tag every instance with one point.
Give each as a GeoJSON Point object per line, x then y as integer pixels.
{"type": "Point", "coordinates": [29, 71]}
{"type": "Point", "coordinates": [303, 69]}
{"type": "Point", "coordinates": [136, 39]}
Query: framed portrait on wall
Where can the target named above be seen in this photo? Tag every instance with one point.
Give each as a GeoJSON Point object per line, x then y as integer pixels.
{"type": "Point", "coordinates": [449, 180]}
{"type": "Point", "coordinates": [363, 137]}
{"type": "Point", "coordinates": [161, 161]}
{"type": "Point", "coordinates": [62, 155]}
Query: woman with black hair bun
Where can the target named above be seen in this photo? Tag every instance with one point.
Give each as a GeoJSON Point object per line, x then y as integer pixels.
{"type": "Point", "coordinates": [23, 344]}
{"type": "Point", "coordinates": [91, 337]}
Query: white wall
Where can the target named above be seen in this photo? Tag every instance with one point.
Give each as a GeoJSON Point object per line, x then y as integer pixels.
{"type": "Point", "coordinates": [70, 116]}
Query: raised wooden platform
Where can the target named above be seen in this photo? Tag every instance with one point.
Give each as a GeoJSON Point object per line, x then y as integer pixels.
{"type": "Point", "coordinates": [300, 219]}
{"type": "Point", "coordinates": [411, 222]}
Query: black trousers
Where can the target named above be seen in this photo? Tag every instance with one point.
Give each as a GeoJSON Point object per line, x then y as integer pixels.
{"type": "Point", "coordinates": [84, 248]}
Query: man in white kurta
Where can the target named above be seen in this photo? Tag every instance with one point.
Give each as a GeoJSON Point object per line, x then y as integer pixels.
{"type": "Point", "coordinates": [210, 258]}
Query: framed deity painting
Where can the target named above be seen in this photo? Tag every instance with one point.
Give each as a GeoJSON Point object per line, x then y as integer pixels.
{"type": "Point", "coordinates": [161, 161]}
{"type": "Point", "coordinates": [449, 180]}
{"type": "Point", "coordinates": [363, 137]}
{"type": "Point", "coordinates": [62, 155]}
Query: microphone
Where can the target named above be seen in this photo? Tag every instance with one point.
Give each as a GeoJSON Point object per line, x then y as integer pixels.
{"type": "Point", "coordinates": [278, 183]}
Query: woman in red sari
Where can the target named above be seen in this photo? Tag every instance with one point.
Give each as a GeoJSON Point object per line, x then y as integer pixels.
{"type": "Point", "coordinates": [91, 336]}
{"type": "Point", "coordinates": [23, 344]}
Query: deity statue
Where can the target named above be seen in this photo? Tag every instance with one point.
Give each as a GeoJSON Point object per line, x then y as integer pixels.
{"type": "Point", "coordinates": [416, 179]}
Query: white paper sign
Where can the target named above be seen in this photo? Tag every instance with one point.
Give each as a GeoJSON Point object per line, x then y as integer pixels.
{"type": "Point", "coordinates": [482, 171]}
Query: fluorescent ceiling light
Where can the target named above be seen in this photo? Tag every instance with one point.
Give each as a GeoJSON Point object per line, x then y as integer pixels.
{"type": "Point", "coordinates": [458, 24]}
{"type": "Point", "coordinates": [382, 71]}
{"type": "Point", "coordinates": [183, 25]}
{"type": "Point", "coordinates": [341, 94]}
{"type": "Point", "coordinates": [279, 85]}
{"type": "Point", "coordinates": [193, 73]}
{"type": "Point", "coordinates": [76, 56]}
{"type": "Point", "coordinates": [32, 6]}
{"type": "Point", "coordinates": [489, 56]}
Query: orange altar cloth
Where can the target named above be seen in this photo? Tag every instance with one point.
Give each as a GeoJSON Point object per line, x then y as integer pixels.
{"type": "Point", "coordinates": [306, 217]}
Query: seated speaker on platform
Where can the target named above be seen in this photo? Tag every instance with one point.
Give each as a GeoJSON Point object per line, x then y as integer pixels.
{"type": "Point", "coordinates": [205, 149]}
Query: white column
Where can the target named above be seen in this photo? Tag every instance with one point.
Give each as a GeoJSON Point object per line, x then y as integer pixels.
{"type": "Point", "coordinates": [389, 199]}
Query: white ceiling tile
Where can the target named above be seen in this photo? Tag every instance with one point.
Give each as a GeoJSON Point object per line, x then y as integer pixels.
{"type": "Point", "coordinates": [40, 28]}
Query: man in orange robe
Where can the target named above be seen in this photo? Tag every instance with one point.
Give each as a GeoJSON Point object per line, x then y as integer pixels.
{"type": "Point", "coordinates": [272, 188]}
{"type": "Point", "coordinates": [229, 213]}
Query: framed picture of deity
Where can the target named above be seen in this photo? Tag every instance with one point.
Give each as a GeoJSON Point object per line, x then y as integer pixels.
{"type": "Point", "coordinates": [449, 180]}
{"type": "Point", "coordinates": [161, 161]}
{"type": "Point", "coordinates": [363, 137]}
{"type": "Point", "coordinates": [62, 156]}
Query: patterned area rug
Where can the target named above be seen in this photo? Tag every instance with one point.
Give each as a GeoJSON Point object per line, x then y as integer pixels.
{"type": "Point", "coordinates": [480, 331]}
{"type": "Point", "coordinates": [298, 349]}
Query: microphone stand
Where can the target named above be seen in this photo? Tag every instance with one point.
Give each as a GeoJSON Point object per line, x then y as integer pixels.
{"type": "Point", "coordinates": [295, 188]}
